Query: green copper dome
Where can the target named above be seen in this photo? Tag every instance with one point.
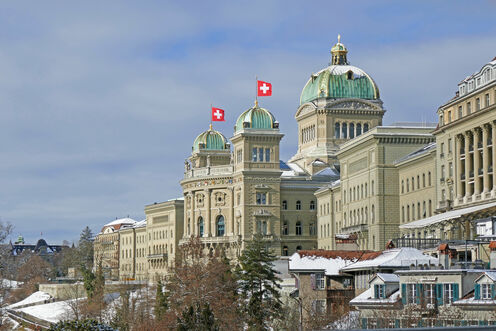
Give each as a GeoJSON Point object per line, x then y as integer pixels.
{"type": "Point", "coordinates": [256, 118]}
{"type": "Point", "coordinates": [210, 140]}
{"type": "Point", "coordinates": [340, 80]}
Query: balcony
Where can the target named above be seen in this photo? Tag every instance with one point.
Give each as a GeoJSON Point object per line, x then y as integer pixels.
{"type": "Point", "coordinates": [209, 171]}
{"type": "Point", "coordinates": [355, 229]}
{"type": "Point", "coordinates": [161, 256]}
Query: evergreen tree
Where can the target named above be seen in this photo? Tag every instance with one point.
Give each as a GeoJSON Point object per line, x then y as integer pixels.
{"type": "Point", "coordinates": [85, 248]}
{"type": "Point", "coordinates": [161, 300]}
{"type": "Point", "coordinates": [259, 285]}
{"type": "Point", "coordinates": [197, 318]}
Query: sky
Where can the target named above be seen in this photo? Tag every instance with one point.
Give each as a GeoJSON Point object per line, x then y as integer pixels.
{"type": "Point", "coordinates": [100, 101]}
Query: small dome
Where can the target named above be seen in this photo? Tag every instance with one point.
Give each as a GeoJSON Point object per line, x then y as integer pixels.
{"type": "Point", "coordinates": [210, 140]}
{"type": "Point", "coordinates": [256, 118]}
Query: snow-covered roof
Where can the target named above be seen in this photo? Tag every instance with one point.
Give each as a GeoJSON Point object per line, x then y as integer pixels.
{"type": "Point", "coordinates": [387, 278]}
{"type": "Point", "coordinates": [368, 297]}
{"type": "Point", "coordinates": [328, 171]}
{"type": "Point", "coordinates": [449, 215]}
{"type": "Point", "coordinates": [330, 262]}
{"type": "Point", "coordinates": [36, 297]}
{"type": "Point", "coordinates": [294, 170]}
{"type": "Point", "coordinates": [490, 274]}
{"type": "Point", "coordinates": [125, 220]}
{"type": "Point", "coordinates": [394, 258]}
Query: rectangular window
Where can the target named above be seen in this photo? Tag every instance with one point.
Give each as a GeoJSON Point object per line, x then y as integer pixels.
{"type": "Point", "coordinates": [460, 112]}
{"type": "Point", "coordinates": [260, 154]}
{"type": "Point", "coordinates": [261, 198]}
{"type": "Point", "coordinates": [469, 108]}
{"type": "Point", "coordinates": [430, 293]}
{"type": "Point", "coordinates": [448, 293]}
{"type": "Point", "coordinates": [450, 167]}
{"type": "Point", "coordinates": [449, 145]}
{"type": "Point", "coordinates": [254, 157]}
{"type": "Point", "coordinates": [381, 291]}
{"type": "Point", "coordinates": [319, 306]}
{"type": "Point", "coordinates": [486, 291]}
{"type": "Point", "coordinates": [477, 104]}
{"type": "Point", "coordinates": [320, 281]}
{"type": "Point", "coordinates": [487, 100]}
{"type": "Point", "coordinates": [267, 155]}
{"type": "Point", "coordinates": [411, 293]}
{"type": "Point", "coordinates": [443, 172]}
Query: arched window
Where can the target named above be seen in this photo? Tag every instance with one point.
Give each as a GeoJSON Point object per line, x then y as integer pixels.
{"type": "Point", "coordinates": [430, 183]}
{"type": "Point", "coordinates": [372, 213]}
{"type": "Point", "coordinates": [337, 130]}
{"type": "Point", "coordinates": [365, 127]}
{"type": "Point", "coordinates": [344, 130]}
{"type": "Point", "coordinates": [358, 129]}
{"type": "Point", "coordinates": [200, 226]}
{"type": "Point", "coordinates": [423, 179]}
{"type": "Point", "coordinates": [298, 228]}
{"type": "Point", "coordinates": [298, 205]}
{"type": "Point", "coordinates": [366, 190]}
{"type": "Point", "coordinates": [284, 204]}
{"type": "Point", "coordinates": [285, 251]}
{"type": "Point", "coordinates": [403, 214]}
{"type": "Point", "coordinates": [372, 188]}
{"type": "Point", "coordinates": [402, 186]}
{"type": "Point", "coordinates": [352, 130]}
{"type": "Point", "coordinates": [408, 213]}
{"type": "Point", "coordinates": [285, 228]}
{"type": "Point", "coordinates": [220, 226]}
{"type": "Point", "coordinates": [312, 205]}
{"type": "Point", "coordinates": [366, 214]}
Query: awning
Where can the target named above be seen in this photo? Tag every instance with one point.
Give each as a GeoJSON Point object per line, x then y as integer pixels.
{"type": "Point", "coordinates": [447, 216]}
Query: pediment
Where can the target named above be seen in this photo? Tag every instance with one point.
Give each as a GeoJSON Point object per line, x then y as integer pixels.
{"type": "Point", "coordinates": [350, 104]}
{"type": "Point", "coordinates": [306, 108]}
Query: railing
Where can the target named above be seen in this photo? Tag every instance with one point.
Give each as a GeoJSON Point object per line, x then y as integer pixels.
{"type": "Point", "coordinates": [157, 256]}
{"type": "Point", "coordinates": [209, 171]}
{"type": "Point", "coordinates": [418, 243]}
{"type": "Point", "coordinates": [355, 228]}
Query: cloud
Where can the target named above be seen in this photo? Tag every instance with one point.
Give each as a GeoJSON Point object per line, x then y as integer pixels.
{"type": "Point", "coordinates": [101, 101]}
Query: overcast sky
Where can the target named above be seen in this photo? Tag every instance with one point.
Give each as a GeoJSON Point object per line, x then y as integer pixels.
{"type": "Point", "coordinates": [100, 101]}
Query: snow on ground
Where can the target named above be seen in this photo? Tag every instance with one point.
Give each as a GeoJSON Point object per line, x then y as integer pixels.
{"type": "Point", "coordinates": [12, 324]}
{"type": "Point", "coordinates": [51, 312]}
{"type": "Point", "coordinates": [36, 297]}
{"type": "Point", "coordinates": [348, 321]}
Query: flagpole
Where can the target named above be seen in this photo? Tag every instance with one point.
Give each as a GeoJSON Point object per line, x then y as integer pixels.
{"type": "Point", "coordinates": [256, 91]}
{"type": "Point", "coordinates": [211, 116]}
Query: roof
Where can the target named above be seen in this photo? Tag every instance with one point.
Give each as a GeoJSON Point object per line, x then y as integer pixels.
{"type": "Point", "coordinates": [490, 274]}
{"type": "Point", "coordinates": [339, 81]}
{"type": "Point", "coordinates": [292, 170]}
{"type": "Point", "coordinates": [121, 221]}
{"type": "Point", "coordinates": [492, 244]}
{"type": "Point", "coordinates": [256, 118]}
{"type": "Point", "coordinates": [393, 258]}
{"type": "Point", "coordinates": [210, 140]}
{"type": "Point", "coordinates": [421, 151]}
{"type": "Point", "coordinates": [387, 278]}
{"type": "Point", "coordinates": [449, 215]}
{"type": "Point", "coordinates": [368, 297]}
{"type": "Point", "coordinates": [330, 262]}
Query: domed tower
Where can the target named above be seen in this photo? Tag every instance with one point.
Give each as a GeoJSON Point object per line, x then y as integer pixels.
{"type": "Point", "coordinates": [210, 148]}
{"type": "Point", "coordinates": [338, 103]}
{"type": "Point", "coordinates": [257, 176]}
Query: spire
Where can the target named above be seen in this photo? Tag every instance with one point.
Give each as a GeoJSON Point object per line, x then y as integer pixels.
{"type": "Point", "coordinates": [256, 103]}
{"type": "Point", "coordinates": [338, 53]}
{"type": "Point", "coordinates": [210, 128]}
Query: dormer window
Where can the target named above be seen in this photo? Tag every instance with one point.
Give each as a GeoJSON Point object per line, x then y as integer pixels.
{"type": "Point", "coordinates": [379, 291]}
{"type": "Point", "coordinates": [350, 75]}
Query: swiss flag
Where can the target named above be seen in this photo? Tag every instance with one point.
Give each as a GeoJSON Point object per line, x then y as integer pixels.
{"type": "Point", "coordinates": [217, 114]}
{"type": "Point", "coordinates": [264, 89]}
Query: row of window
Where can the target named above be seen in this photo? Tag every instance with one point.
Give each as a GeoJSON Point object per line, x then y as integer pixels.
{"type": "Point", "coordinates": [466, 109]}
{"type": "Point", "coordinates": [298, 205]}
{"type": "Point", "coordinates": [359, 216]}
{"type": "Point", "coordinates": [349, 130]}
{"type": "Point", "coordinates": [484, 78]}
{"type": "Point", "coordinates": [260, 154]}
{"type": "Point", "coordinates": [429, 293]}
{"type": "Point", "coordinates": [422, 211]}
{"type": "Point", "coordinates": [410, 185]}
{"type": "Point", "coordinates": [298, 228]}
{"type": "Point", "coordinates": [358, 192]}
{"type": "Point", "coordinates": [308, 134]}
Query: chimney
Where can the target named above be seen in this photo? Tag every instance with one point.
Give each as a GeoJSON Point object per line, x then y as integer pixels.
{"type": "Point", "coordinates": [444, 256]}
{"type": "Point", "coordinates": [492, 256]}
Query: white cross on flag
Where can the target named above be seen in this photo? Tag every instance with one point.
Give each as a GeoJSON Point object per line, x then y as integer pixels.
{"type": "Point", "coordinates": [217, 114]}
{"type": "Point", "coordinates": [264, 89]}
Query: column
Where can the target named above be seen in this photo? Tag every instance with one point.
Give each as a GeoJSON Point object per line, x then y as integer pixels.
{"type": "Point", "coordinates": [231, 212]}
{"type": "Point", "coordinates": [467, 166]}
{"type": "Point", "coordinates": [458, 170]}
{"type": "Point", "coordinates": [493, 193]}
{"type": "Point", "coordinates": [208, 214]}
{"type": "Point", "coordinates": [476, 164]}
{"type": "Point", "coordinates": [485, 160]}
{"type": "Point", "coordinates": [193, 215]}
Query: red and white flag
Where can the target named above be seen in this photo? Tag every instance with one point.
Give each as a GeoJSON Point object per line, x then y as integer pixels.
{"type": "Point", "coordinates": [217, 114]}
{"type": "Point", "coordinates": [264, 89]}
